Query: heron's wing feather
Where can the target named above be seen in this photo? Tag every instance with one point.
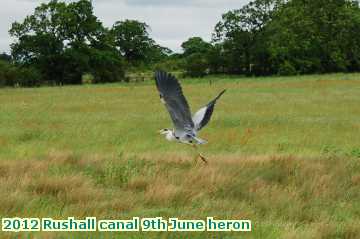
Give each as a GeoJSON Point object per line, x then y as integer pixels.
{"type": "Point", "coordinates": [175, 102]}
{"type": "Point", "coordinates": [199, 116]}
{"type": "Point", "coordinates": [202, 116]}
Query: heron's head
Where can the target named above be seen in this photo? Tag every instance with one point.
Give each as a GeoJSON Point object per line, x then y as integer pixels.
{"type": "Point", "coordinates": [169, 135]}
{"type": "Point", "coordinates": [164, 131]}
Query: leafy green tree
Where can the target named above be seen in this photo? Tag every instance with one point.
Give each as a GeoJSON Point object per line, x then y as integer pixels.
{"type": "Point", "coordinates": [294, 44]}
{"type": "Point", "coordinates": [316, 36]}
{"type": "Point", "coordinates": [195, 45]}
{"type": "Point", "coordinates": [196, 52]}
{"type": "Point", "coordinates": [290, 37]}
{"type": "Point", "coordinates": [133, 41]}
{"type": "Point", "coordinates": [217, 61]}
{"type": "Point", "coordinates": [60, 40]}
{"type": "Point", "coordinates": [242, 33]}
{"type": "Point", "coordinates": [158, 54]}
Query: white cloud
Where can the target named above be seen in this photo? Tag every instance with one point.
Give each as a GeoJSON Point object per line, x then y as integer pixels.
{"type": "Point", "coordinates": [171, 22]}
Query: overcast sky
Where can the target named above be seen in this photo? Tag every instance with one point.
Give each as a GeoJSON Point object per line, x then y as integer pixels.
{"type": "Point", "coordinates": [171, 22]}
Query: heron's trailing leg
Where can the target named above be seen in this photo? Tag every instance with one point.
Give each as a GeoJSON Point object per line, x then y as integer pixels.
{"type": "Point", "coordinates": [199, 154]}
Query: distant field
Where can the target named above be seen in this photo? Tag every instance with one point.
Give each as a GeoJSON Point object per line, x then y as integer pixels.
{"type": "Point", "coordinates": [284, 152]}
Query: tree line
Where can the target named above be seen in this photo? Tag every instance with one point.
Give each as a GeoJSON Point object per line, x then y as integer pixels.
{"type": "Point", "coordinates": [282, 37]}
{"type": "Point", "coordinates": [60, 43]}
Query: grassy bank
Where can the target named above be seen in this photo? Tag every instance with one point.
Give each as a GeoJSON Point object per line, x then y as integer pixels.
{"type": "Point", "coordinates": [284, 153]}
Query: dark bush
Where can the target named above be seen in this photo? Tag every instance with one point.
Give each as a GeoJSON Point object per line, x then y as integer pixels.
{"type": "Point", "coordinates": [28, 77]}
{"type": "Point", "coordinates": [11, 75]}
{"type": "Point", "coordinates": [8, 74]}
{"type": "Point", "coordinates": [287, 69]}
{"type": "Point", "coordinates": [106, 66]}
{"type": "Point", "coordinates": [5, 57]}
{"type": "Point", "coordinates": [171, 64]}
{"type": "Point", "coordinates": [196, 65]}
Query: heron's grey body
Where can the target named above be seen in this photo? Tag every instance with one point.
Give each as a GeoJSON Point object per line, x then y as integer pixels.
{"type": "Point", "coordinates": [185, 126]}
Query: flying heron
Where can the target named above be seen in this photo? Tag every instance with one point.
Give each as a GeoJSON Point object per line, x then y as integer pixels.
{"type": "Point", "coordinates": [185, 127]}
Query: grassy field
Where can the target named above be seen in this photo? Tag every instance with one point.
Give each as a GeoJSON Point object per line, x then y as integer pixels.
{"type": "Point", "coordinates": [283, 152]}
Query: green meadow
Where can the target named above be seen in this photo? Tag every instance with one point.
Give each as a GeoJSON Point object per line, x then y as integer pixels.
{"type": "Point", "coordinates": [283, 152]}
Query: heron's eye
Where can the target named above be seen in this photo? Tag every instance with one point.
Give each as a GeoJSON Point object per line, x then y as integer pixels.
{"type": "Point", "coordinates": [190, 141]}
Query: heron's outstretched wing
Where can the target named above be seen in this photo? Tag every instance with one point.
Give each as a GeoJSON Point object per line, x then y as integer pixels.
{"type": "Point", "coordinates": [202, 116]}
{"type": "Point", "coordinates": [175, 102]}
